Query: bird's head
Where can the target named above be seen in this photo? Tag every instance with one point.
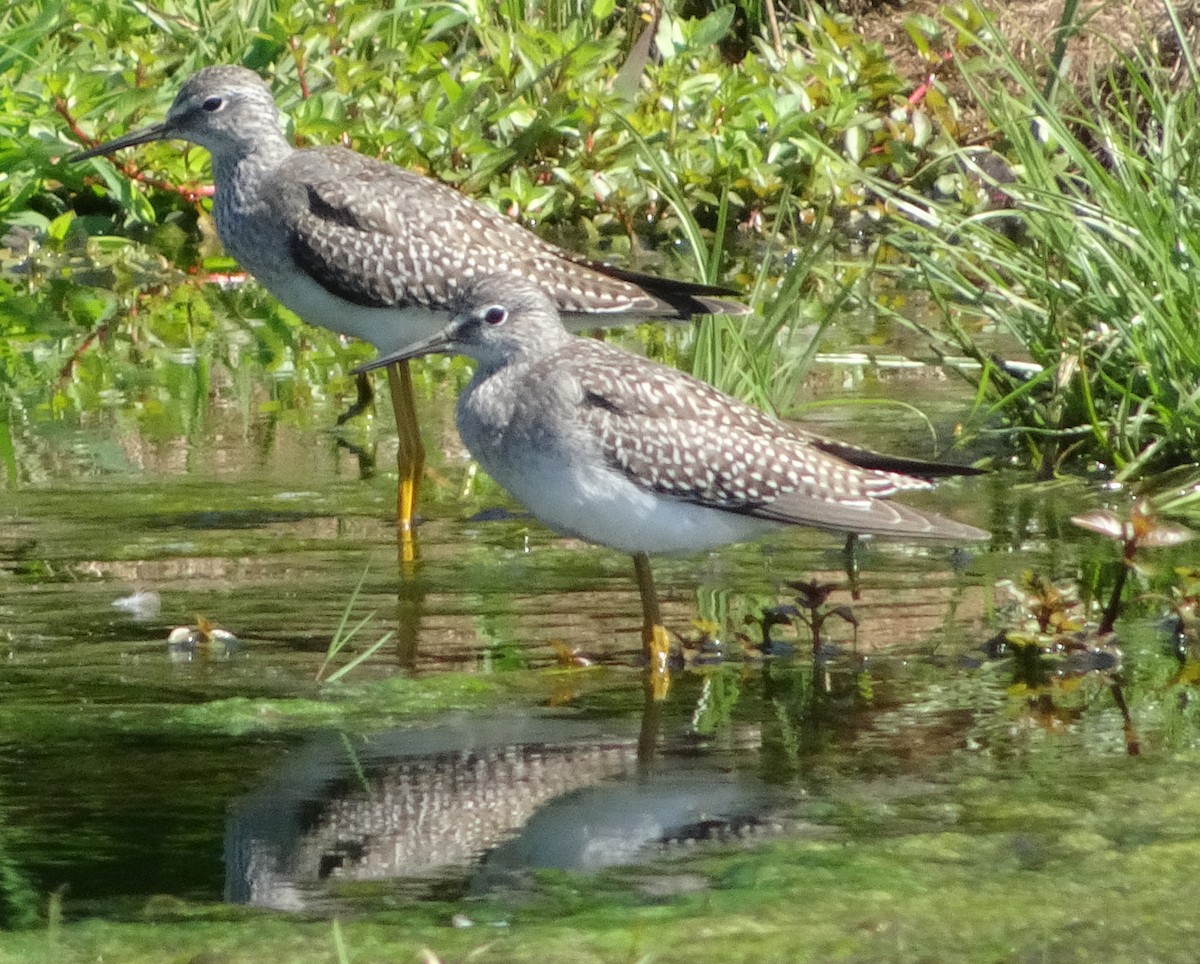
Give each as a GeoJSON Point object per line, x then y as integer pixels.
{"type": "Point", "coordinates": [227, 110]}
{"type": "Point", "coordinates": [498, 318]}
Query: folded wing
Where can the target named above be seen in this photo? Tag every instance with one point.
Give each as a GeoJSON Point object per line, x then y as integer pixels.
{"type": "Point", "coordinates": [380, 236]}
{"type": "Point", "coordinates": [675, 435]}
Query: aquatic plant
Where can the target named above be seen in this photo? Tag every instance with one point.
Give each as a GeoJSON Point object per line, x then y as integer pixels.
{"type": "Point", "coordinates": [1080, 246]}
{"type": "Point", "coordinates": [343, 636]}
{"type": "Point", "coordinates": [1142, 530]}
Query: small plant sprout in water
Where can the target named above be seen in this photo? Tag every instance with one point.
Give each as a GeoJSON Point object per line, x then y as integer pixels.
{"type": "Point", "coordinates": [1055, 624]}
{"type": "Point", "coordinates": [1045, 619]}
{"type": "Point", "coordinates": [1140, 531]}
{"type": "Point", "coordinates": [769, 644]}
{"type": "Point", "coordinates": [205, 639]}
{"type": "Point", "coordinates": [1049, 610]}
{"type": "Point", "coordinates": [342, 637]}
{"type": "Point", "coordinates": [1053, 652]}
{"type": "Point", "coordinates": [811, 610]}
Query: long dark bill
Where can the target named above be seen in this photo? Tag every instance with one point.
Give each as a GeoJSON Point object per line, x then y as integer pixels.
{"type": "Point", "coordinates": [157, 132]}
{"type": "Point", "coordinates": [440, 343]}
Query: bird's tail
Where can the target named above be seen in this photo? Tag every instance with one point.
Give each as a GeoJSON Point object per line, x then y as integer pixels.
{"type": "Point", "coordinates": [681, 299]}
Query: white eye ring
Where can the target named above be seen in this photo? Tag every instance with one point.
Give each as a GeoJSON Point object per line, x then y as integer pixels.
{"type": "Point", "coordinates": [495, 315]}
{"type": "Point", "coordinates": [213, 103]}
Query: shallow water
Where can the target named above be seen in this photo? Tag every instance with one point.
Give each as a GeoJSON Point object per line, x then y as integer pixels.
{"type": "Point", "coordinates": [503, 727]}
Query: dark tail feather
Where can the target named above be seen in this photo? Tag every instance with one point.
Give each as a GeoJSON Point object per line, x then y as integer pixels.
{"type": "Point", "coordinates": [685, 297]}
{"type": "Point", "coordinates": [879, 462]}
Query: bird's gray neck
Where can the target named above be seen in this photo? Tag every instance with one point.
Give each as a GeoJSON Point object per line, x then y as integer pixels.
{"type": "Point", "coordinates": [240, 177]}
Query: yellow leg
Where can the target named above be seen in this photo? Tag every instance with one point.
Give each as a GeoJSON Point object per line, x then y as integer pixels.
{"type": "Point", "coordinates": [410, 455]}
{"type": "Point", "coordinates": [655, 643]}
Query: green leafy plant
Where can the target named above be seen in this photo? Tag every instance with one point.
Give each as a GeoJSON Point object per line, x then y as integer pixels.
{"type": "Point", "coordinates": [1079, 247]}
{"type": "Point", "coordinates": [742, 172]}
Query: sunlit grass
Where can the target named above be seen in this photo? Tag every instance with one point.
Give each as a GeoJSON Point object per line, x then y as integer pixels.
{"type": "Point", "coordinates": [342, 638]}
{"type": "Point", "coordinates": [1091, 267]}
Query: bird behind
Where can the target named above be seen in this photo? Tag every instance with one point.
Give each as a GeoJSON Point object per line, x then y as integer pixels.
{"type": "Point", "coordinates": [369, 249]}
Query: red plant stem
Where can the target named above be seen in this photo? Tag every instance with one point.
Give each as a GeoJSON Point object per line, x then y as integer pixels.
{"type": "Point", "coordinates": [89, 339]}
{"type": "Point", "coordinates": [918, 95]}
{"type": "Point", "coordinates": [298, 58]}
{"type": "Point", "coordinates": [189, 192]}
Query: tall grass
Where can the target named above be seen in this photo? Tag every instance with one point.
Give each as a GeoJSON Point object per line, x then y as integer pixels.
{"type": "Point", "coordinates": [1092, 266]}
{"type": "Point", "coordinates": [754, 357]}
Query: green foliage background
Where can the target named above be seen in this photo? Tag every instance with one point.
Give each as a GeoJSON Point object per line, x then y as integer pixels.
{"type": "Point", "coordinates": [793, 171]}
{"type": "Point", "coordinates": [667, 165]}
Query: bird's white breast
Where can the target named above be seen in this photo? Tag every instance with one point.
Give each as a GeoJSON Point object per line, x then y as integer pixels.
{"type": "Point", "coordinates": [526, 439]}
{"type": "Point", "coordinates": [602, 506]}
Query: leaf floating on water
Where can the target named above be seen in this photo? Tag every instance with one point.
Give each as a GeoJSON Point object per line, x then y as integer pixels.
{"type": "Point", "coordinates": [1102, 522]}
{"type": "Point", "coordinates": [204, 638]}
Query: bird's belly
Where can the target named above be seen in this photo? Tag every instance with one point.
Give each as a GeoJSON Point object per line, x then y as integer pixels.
{"type": "Point", "coordinates": [595, 503]}
{"type": "Point", "coordinates": [388, 329]}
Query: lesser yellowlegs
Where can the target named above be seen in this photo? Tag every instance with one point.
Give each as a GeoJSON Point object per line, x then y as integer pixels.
{"type": "Point", "coordinates": [374, 251]}
{"type": "Point", "coordinates": [615, 449]}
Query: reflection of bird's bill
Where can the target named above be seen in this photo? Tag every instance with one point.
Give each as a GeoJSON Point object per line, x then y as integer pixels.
{"type": "Point", "coordinates": [156, 132]}
{"type": "Point", "coordinates": [440, 343]}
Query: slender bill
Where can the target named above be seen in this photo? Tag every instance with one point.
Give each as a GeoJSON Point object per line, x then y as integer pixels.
{"type": "Point", "coordinates": [156, 132]}
{"type": "Point", "coordinates": [441, 343]}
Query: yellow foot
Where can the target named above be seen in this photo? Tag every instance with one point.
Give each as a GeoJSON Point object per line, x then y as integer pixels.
{"type": "Point", "coordinates": [657, 646]}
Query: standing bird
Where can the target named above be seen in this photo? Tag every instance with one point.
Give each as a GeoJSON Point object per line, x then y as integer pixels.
{"type": "Point", "coordinates": [618, 450]}
{"type": "Point", "coordinates": [374, 251]}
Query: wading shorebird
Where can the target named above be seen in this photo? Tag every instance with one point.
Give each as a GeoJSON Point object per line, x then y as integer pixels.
{"type": "Point", "coordinates": [621, 451]}
{"type": "Point", "coordinates": [371, 250]}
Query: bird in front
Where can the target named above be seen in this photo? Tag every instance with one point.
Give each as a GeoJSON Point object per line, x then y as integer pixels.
{"type": "Point", "coordinates": [610, 447]}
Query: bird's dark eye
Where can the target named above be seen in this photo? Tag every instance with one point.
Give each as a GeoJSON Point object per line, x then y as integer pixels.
{"type": "Point", "coordinates": [213, 103]}
{"type": "Point", "coordinates": [495, 315]}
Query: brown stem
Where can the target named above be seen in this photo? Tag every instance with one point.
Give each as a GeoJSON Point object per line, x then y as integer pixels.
{"type": "Point", "coordinates": [1133, 745]}
{"type": "Point", "coordinates": [773, 23]}
{"type": "Point", "coordinates": [298, 57]}
{"type": "Point", "coordinates": [88, 340]}
{"type": "Point", "coordinates": [1113, 609]}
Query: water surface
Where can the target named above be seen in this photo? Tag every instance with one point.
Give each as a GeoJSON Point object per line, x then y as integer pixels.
{"type": "Point", "coordinates": [501, 733]}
